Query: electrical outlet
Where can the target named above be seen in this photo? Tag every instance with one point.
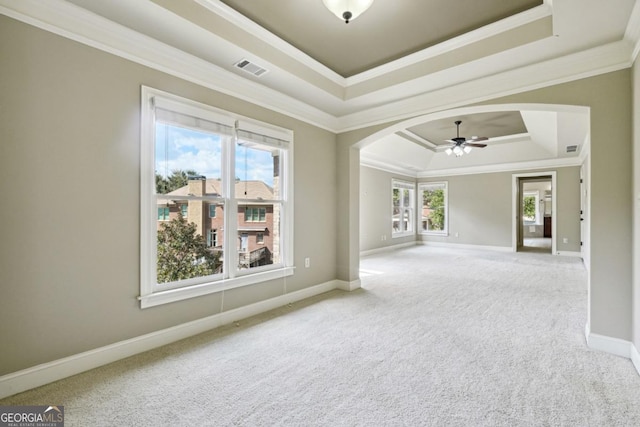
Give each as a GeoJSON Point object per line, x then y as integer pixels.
{"type": "Point", "coordinates": [307, 262]}
{"type": "Point", "coordinates": [565, 240]}
{"type": "Point", "coordinates": [457, 234]}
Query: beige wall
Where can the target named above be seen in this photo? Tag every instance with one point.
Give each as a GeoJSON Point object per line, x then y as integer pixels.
{"type": "Point", "coordinates": [69, 159]}
{"type": "Point", "coordinates": [480, 208]}
{"type": "Point", "coordinates": [375, 209]}
{"type": "Point", "coordinates": [609, 99]}
{"type": "Point", "coordinates": [636, 201]}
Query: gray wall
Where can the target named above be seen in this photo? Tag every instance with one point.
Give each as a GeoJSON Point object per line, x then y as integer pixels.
{"type": "Point", "coordinates": [610, 274]}
{"type": "Point", "coordinates": [69, 159]}
{"type": "Point", "coordinates": [636, 198]}
{"type": "Point", "coordinates": [375, 209]}
{"type": "Point", "coordinates": [609, 97]}
{"type": "Point", "coordinates": [480, 208]}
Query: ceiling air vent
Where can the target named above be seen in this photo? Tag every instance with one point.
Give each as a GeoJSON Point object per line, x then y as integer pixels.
{"type": "Point", "coordinates": [251, 68]}
{"type": "Point", "coordinates": [572, 148]}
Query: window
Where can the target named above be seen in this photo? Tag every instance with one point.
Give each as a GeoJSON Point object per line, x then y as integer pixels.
{"type": "Point", "coordinates": [255, 214]}
{"type": "Point", "coordinates": [163, 214]}
{"type": "Point", "coordinates": [260, 238]}
{"type": "Point", "coordinates": [433, 207]}
{"type": "Point", "coordinates": [222, 171]}
{"type": "Point", "coordinates": [403, 202]}
{"type": "Point", "coordinates": [530, 207]}
{"type": "Point", "coordinates": [212, 238]}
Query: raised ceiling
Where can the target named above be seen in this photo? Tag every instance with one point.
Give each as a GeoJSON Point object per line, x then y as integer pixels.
{"type": "Point", "coordinates": [413, 61]}
{"type": "Point", "coordinates": [387, 31]}
{"type": "Point", "coordinates": [491, 125]}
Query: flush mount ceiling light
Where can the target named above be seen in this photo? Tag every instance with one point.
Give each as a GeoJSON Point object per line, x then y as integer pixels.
{"type": "Point", "coordinates": [347, 9]}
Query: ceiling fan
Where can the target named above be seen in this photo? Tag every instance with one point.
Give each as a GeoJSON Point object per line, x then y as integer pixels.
{"type": "Point", "coordinates": [462, 145]}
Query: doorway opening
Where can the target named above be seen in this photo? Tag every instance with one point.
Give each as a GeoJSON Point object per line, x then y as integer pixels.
{"type": "Point", "coordinates": [534, 213]}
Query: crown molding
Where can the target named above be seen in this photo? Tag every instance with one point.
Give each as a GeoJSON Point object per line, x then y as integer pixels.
{"type": "Point", "coordinates": [236, 18]}
{"type": "Point", "coordinates": [374, 163]}
{"type": "Point", "coordinates": [632, 32]}
{"type": "Point", "coordinates": [503, 167]}
{"type": "Point", "coordinates": [450, 45]}
{"type": "Point", "coordinates": [371, 162]}
{"type": "Point", "coordinates": [75, 23]}
{"type": "Point", "coordinates": [588, 63]}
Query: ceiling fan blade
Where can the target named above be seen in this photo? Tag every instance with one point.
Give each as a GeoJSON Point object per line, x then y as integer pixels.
{"type": "Point", "coordinates": [471, 144]}
{"type": "Point", "coordinates": [478, 138]}
{"type": "Point", "coordinates": [450, 140]}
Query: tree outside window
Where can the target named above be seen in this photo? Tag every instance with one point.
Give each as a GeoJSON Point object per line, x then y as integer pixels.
{"type": "Point", "coordinates": [434, 207]}
{"type": "Point", "coordinates": [190, 220]}
{"type": "Point", "coordinates": [529, 208]}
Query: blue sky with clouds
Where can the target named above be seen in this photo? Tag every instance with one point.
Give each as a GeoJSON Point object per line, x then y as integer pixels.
{"type": "Point", "coordinates": [187, 149]}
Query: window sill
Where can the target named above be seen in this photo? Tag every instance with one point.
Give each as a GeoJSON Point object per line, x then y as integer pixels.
{"type": "Point", "coordinates": [179, 294]}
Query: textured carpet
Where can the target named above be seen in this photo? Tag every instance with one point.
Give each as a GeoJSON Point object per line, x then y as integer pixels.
{"type": "Point", "coordinates": [435, 337]}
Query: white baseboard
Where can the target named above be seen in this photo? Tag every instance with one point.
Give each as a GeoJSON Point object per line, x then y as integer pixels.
{"type": "Point", "coordinates": [569, 253]}
{"type": "Point", "coordinates": [466, 246]}
{"type": "Point", "coordinates": [609, 344]}
{"type": "Point", "coordinates": [45, 373]}
{"type": "Point", "coordinates": [349, 286]}
{"type": "Point", "coordinates": [635, 358]}
{"type": "Point", "coordinates": [387, 248]}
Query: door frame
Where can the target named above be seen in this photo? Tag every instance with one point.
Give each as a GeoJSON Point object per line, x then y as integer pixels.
{"type": "Point", "coordinates": [516, 230]}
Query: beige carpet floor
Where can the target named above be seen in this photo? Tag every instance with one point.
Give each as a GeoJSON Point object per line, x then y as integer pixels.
{"type": "Point", "coordinates": [435, 337]}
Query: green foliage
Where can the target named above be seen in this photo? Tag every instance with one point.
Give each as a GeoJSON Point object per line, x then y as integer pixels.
{"type": "Point", "coordinates": [529, 208]}
{"type": "Point", "coordinates": [183, 254]}
{"type": "Point", "coordinates": [177, 179]}
{"type": "Point", "coordinates": [434, 201]}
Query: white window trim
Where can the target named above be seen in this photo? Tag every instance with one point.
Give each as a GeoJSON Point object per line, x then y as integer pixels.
{"type": "Point", "coordinates": [429, 185]}
{"type": "Point", "coordinates": [398, 183]}
{"type": "Point", "coordinates": [152, 294]}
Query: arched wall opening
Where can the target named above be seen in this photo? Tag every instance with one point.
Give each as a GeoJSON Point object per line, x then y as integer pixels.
{"type": "Point", "coordinates": [607, 99]}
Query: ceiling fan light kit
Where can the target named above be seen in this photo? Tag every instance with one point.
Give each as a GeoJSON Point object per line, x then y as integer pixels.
{"type": "Point", "coordinates": [347, 10]}
{"type": "Point", "coordinates": [461, 145]}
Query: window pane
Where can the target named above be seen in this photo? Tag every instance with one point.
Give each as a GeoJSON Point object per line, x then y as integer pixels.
{"type": "Point", "coordinates": [183, 252]}
{"type": "Point", "coordinates": [182, 153]}
{"type": "Point", "coordinates": [187, 163]}
{"type": "Point", "coordinates": [212, 211]}
{"type": "Point", "coordinates": [406, 198]}
{"type": "Point", "coordinates": [407, 221]}
{"type": "Point", "coordinates": [433, 213]}
{"type": "Point", "coordinates": [396, 199]}
{"type": "Point", "coordinates": [529, 208]}
{"type": "Point", "coordinates": [259, 242]}
{"type": "Point", "coordinates": [257, 171]}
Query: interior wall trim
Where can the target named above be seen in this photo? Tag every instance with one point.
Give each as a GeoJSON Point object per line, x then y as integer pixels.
{"type": "Point", "coordinates": [343, 285]}
{"type": "Point", "coordinates": [46, 373]}
{"type": "Point", "coordinates": [569, 253]}
{"type": "Point", "coordinates": [388, 248]}
{"type": "Point", "coordinates": [635, 358]}
{"type": "Point", "coordinates": [611, 345]}
{"type": "Point", "coordinates": [466, 246]}
{"type": "Point", "coordinates": [72, 22]}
